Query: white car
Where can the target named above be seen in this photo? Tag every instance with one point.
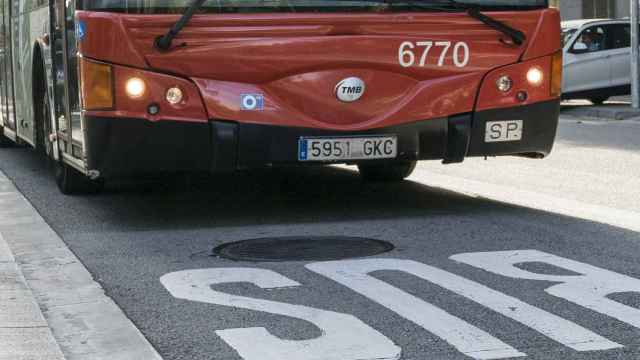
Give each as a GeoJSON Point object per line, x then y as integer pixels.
{"type": "Point", "coordinates": [597, 59]}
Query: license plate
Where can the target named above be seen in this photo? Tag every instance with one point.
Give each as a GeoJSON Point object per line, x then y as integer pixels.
{"type": "Point", "coordinates": [347, 148]}
{"type": "Point", "coordinates": [503, 131]}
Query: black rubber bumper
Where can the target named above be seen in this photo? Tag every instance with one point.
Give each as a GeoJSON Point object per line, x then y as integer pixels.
{"type": "Point", "coordinates": [120, 146]}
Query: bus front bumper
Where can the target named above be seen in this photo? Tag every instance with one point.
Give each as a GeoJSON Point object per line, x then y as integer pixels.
{"type": "Point", "coordinates": [123, 147]}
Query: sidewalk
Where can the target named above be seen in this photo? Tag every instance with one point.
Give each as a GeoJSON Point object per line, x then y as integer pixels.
{"type": "Point", "coordinates": [50, 306]}
{"type": "Point", "coordinates": [24, 333]}
{"type": "Point", "coordinates": [618, 108]}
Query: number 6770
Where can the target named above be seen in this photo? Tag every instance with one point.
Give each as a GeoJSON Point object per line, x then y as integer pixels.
{"type": "Point", "coordinates": [407, 53]}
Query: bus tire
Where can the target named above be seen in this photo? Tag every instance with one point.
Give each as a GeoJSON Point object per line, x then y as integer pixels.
{"type": "Point", "coordinates": [69, 180]}
{"type": "Point", "coordinates": [5, 142]}
{"type": "Point", "coordinates": [72, 182]}
{"type": "Point", "coordinates": [598, 100]}
{"type": "Point", "coordinates": [43, 124]}
{"type": "Point", "coordinates": [390, 171]}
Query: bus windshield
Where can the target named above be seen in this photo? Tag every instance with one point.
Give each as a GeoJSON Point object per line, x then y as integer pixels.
{"type": "Point", "coordinates": [225, 6]}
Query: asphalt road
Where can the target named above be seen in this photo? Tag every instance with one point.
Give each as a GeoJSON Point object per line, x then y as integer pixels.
{"type": "Point", "coordinates": [136, 233]}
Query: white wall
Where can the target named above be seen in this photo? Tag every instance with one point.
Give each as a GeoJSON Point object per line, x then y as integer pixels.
{"type": "Point", "coordinates": [572, 9]}
{"type": "Point", "coordinates": [623, 8]}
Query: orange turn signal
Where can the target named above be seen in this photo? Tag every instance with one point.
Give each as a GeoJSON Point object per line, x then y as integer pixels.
{"type": "Point", "coordinates": [97, 85]}
{"type": "Point", "coordinates": [556, 74]}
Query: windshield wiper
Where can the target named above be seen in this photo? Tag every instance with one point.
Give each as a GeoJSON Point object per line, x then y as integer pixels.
{"type": "Point", "coordinates": [163, 42]}
{"type": "Point", "coordinates": [517, 36]}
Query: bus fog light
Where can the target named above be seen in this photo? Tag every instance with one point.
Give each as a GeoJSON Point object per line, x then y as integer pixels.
{"type": "Point", "coordinates": [535, 76]}
{"type": "Point", "coordinates": [153, 109]}
{"type": "Point", "coordinates": [174, 95]}
{"type": "Point", "coordinates": [135, 88]}
{"type": "Point", "coordinates": [504, 83]}
{"type": "Point", "coordinates": [522, 96]}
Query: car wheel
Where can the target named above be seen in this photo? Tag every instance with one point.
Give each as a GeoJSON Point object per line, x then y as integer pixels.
{"type": "Point", "coordinates": [391, 171]}
{"type": "Point", "coordinates": [599, 100]}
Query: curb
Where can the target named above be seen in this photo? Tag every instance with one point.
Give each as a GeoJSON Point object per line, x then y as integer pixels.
{"type": "Point", "coordinates": [84, 322]}
{"type": "Point", "coordinates": [603, 112]}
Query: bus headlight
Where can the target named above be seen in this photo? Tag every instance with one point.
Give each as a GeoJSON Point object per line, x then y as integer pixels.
{"type": "Point", "coordinates": [96, 85]}
{"type": "Point", "coordinates": [135, 87]}
{"type": "Point", "coordinates": [174, 95]}
{"type": "Point", "coordinates": [535, 76]}
{"type": "Point", "coordinates": [504, 83]}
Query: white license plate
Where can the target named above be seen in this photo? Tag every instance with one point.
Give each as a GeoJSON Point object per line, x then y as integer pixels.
{"type": "Point", "coordinates": [503, 131]}
{"type": "Point", "coordinates": [347, 148]}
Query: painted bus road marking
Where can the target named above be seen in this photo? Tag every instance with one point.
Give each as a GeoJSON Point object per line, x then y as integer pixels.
{"type": "Point", "coordinates": [344, 337]}
{"type": "Point", "coordinates": [589, 288]}
{"type": "Point", "coordinates": [465, 337]}
{"type": "Point", "coordinates": [354, 274]}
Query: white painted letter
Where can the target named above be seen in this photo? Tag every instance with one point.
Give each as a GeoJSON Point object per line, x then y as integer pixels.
{"type": "Point", "coordinates": [466, 338]}
{"type": "Point", "coordinates": [589, 288]}
{"type": "Point", "coordinates": [344, 337]}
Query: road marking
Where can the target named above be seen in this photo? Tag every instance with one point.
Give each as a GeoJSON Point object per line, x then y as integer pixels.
{"type": "Point", "coordinates": [354, 274]}
{"type": "Point", "coordinates": [465, 337]}
{"type": "Point", "coordinates": [511, 195]}
{"type": "Point", "coordinates": [344, 337]}
{"type": "Point", "coordinates": [589, 288]}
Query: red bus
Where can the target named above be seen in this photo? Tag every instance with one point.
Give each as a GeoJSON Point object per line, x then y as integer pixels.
{"type": "Point", "coordinates": [111, 88]}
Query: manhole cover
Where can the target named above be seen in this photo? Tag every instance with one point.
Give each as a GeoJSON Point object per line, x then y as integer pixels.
{"type": "Point", "coordinates": [306, 248]}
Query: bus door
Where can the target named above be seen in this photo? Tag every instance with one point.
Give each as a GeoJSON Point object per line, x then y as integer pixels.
{"type": "Point", "coordinates": [69, 118]}
{"type": "Point", "coordinates": [7, 114]}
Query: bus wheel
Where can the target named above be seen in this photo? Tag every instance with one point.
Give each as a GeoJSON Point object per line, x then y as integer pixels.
{"type": "Point", "coordinates": [72, 182]}
{"type": "Point", "coordinates": [43, 128]}
{"type": "Point", "coordinates": [5, 141]}
{"type": "Point", "coordinates": [599, 100]}
{"type": "Point", "coordinates": [69, 180]}
{"type": "Point", "coordinates": [391, 171]}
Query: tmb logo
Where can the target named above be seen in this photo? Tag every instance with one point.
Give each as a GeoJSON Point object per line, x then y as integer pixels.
{"type": "Point", "coordinates": [350, 89]}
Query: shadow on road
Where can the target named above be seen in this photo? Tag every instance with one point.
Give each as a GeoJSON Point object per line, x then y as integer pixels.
{"type": "Point", "coordinates": [282, 196]}
{"type": "Point", "coordinates": [274, 196]}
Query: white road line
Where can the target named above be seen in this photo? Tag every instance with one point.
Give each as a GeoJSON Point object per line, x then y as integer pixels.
{"type": "Point", "coordinates": [597, 213]}
{"type": "Point", "coordinates": [354, 274]}
{"type": "Point", "coordinates": [466, 338]}
{"type": "Point", "coordinates": [86, 323]}
{"type": "Point", "coordinates": [344, 337]}
{"type": "Point", "coordinates": [589, 289]}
